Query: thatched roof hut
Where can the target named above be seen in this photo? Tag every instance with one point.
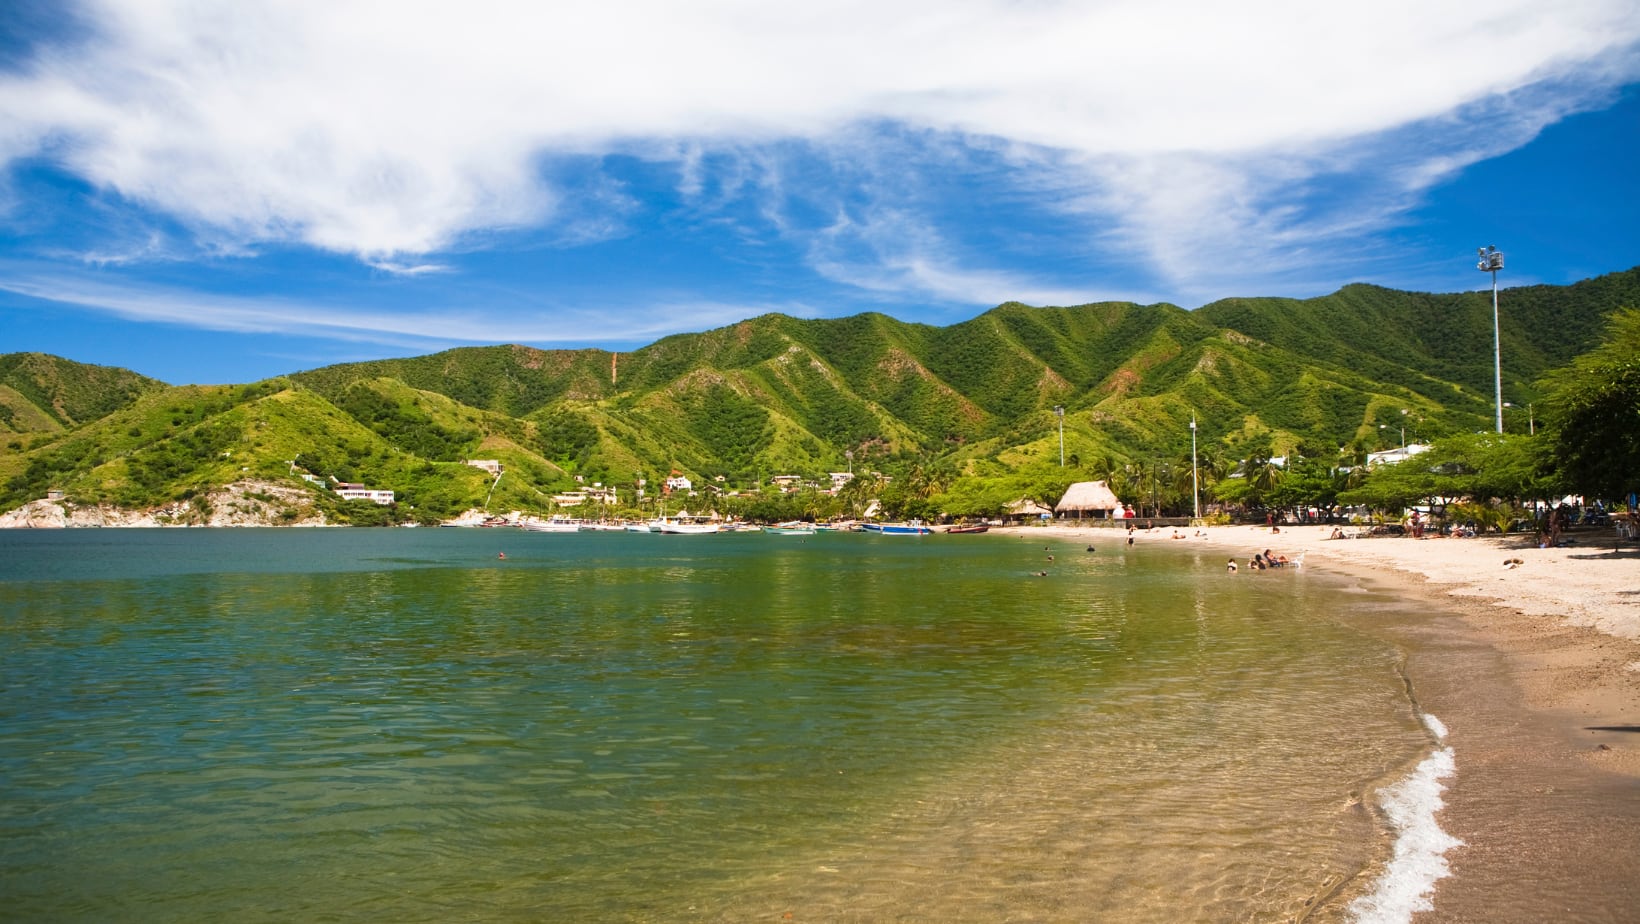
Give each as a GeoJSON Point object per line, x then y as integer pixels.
{"type": "Point", "coordinates": [1088, 499]}
{"type": "Point", "coordinates": [1025, 508]}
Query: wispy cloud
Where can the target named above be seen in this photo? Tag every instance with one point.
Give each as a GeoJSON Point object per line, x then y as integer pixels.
{"type": "Point", "coordinates": [892, 253]}
{"type": "Point", "coordinates": [397, 268]}
{"type": "Point", "coordinates": [421, 329]}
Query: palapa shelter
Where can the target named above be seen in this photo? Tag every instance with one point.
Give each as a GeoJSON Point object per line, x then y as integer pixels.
{"type": "Point", "coordinates": [1088, 499]}
{"type": "Point", "coordinates": [1024, 509]}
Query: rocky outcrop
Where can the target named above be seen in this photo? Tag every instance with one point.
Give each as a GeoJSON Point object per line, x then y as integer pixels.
{"type": "Point", "coordinates": [243, 503]}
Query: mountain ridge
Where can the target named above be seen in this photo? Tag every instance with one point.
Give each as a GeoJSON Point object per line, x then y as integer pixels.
{"type": "Point", "coordinates": [774, 393]}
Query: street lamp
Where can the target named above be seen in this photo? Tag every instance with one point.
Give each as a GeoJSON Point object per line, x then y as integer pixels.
{"type": "Point", "coordinates": [1059, 409]}
{"type": "Point", "coordinates": [1195, 479]}
{"type": "Point", "coordinates": [1492, 261]}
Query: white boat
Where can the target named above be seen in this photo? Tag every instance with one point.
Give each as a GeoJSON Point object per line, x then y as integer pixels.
{"type": "Point", "coordinates": [913, 528]}
{"type": "Point", "coordinates": [685, 524]}
{"type": "Point", "coordinates": [553, 525]}
{"type": "Point", "coordinates": [779, 530]}
{"type": "Point", "coordinates": [639, 528]}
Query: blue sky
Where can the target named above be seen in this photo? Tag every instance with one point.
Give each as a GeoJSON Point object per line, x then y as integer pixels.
{"type": "Point", "coordinates": [221, 192]}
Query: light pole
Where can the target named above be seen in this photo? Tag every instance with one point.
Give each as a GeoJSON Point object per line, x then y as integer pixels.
{"type": "Point", "coordinates": [1059, 409]}
{"type": "Point", "coordinates": [1195, 479]}
{"type": "Point", "coordinates": [1492, 261]}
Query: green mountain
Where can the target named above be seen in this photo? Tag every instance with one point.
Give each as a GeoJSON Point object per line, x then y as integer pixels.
{"type": "Point", "coordinates": [781, 395]}
{"type": "Point", "coordinates": [45, 394]}
{"type": "Point", "coordinates": [1422, 341]}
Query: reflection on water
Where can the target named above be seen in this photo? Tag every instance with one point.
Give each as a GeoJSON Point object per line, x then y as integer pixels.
{"type": "Point", "coordinates": [395, 724]}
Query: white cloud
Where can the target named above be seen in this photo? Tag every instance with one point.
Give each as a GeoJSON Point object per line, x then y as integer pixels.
{"type": "Point", "coordinates": [586, 323]}
{"type": "Point", "coordinates": [393, 131]}
{"type": "Point", "coordinates": [891, 252]}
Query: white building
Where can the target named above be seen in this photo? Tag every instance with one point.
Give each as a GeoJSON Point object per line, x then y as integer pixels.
{"type": "Point", "coordinates": [360, 492]}
{"type": "Point", "coordinates": [597, 493]}
{"type": "Point", "coordinates": [1391, 456]}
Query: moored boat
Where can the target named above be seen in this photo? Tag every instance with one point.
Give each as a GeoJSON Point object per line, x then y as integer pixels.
{"type": "Point", "coordinates": [685, 524]}
{"type": "Point", "coordinates": [913, 528]}
{"type": "Point", "coordinates": [977, 528]}
{"type": "Point", "coordinates": [552, 525]}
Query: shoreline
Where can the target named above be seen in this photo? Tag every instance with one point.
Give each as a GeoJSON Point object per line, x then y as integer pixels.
{"type": "Point", "coordinates": [1535, 669]}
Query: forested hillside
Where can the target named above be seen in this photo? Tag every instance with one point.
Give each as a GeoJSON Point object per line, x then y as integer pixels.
{"type": "Point", "coordinates": [778, 395]}
{"type": "Point", "coordinates": [41, 393]}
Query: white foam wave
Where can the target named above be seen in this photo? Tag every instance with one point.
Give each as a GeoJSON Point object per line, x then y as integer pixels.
{"type": "Point", "coordinates": [1419, 862]}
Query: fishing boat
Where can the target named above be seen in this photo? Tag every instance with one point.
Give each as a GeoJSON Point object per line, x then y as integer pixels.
{"type": "Point", "coordinates": [552, 525]}
{"type": "Point", "coordinates": [789, 529]}
{"type": "Point", "coordinates": [685, 524]}
{"type": "Point", "coordinates": [976, 528]}
{"type": "Point", "coordinates": [913, 528]}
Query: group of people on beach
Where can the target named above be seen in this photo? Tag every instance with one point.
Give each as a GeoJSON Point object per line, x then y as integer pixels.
{"type": "Point", "coordinates": [1262, 561]}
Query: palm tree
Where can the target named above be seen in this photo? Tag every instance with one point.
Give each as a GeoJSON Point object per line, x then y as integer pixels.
{"type": "Point", "coordinates": [1262, 476]}
{"type": "Point", "coordinates": [1352, 466]}
{"type": "Point", "coordinates": [856, 495]}
{"type": "Point", "coordinates": [928, 476]}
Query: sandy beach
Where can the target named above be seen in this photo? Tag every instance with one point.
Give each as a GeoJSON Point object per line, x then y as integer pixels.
{"type": "Point", "coordinates": [1532, 658]}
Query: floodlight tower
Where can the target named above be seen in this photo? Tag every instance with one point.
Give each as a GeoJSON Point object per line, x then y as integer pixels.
{"type": "Point", "coordinates": [1492, 261]}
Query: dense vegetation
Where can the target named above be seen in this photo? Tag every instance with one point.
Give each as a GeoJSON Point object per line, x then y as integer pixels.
{"type": "Point", "coordinates": [1289, 396]}
{"type": "Point", "coordinates": [44, 393]}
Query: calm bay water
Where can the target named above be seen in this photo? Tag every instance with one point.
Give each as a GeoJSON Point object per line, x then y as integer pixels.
{"type": "Point", "coordinates": [397, 725]}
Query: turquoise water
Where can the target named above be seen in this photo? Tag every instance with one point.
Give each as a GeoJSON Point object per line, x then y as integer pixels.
{"type": "Point", "coordinates": [398, 725]}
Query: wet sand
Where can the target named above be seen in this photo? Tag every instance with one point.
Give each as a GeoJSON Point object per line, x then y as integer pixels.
{"type": "Point", "coordinates": [1534, 669]}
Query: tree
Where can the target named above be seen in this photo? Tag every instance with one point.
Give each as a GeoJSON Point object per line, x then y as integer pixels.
{"type": "Point", "coordinates": [1260, 475]}
{"type": "Point", "coordinates": [1592, 413]}
{"type": "Point", "coordinates": [1490, 466]}
{"type": "Point", "coordinates": [1393, 487]}
{"type": "Point", "coordinates": [1308, 483]}
{"type": "Point", "coordinates": [857, 493]}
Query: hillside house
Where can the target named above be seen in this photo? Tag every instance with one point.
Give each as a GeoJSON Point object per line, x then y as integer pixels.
{"type": "Point", "coordinates": [360, 492]}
